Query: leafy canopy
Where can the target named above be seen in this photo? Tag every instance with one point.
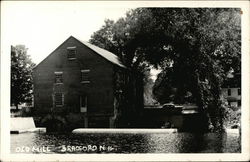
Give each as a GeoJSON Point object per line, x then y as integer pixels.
{"type": "Point", "coordinates": [21, 79]}
{"type": "Point", "coordinates": [195, 48]}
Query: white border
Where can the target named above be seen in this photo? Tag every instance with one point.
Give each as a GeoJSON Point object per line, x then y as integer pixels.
{"type": "Point", "coordinates": [5, 92]}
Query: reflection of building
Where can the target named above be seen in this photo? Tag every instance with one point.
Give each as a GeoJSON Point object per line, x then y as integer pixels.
{"type": "Point", "coordinates": [82, 83]}
{"type": "Point", "coordinates": [231, 90]}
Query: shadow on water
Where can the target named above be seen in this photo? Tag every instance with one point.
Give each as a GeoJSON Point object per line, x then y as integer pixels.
{"type": "Point", "coordinates": [209, 143]}
{"type": "Point", "coordinates": [127, 142]}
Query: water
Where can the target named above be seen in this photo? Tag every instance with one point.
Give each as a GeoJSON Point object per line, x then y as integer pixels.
{"type": "Point", "coordinates": [125, 143]}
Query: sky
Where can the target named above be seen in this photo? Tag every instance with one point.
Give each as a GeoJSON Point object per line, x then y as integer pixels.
{"type": "Point", "coordinates": [43, 26]}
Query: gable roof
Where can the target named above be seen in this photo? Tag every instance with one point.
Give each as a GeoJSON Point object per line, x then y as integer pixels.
{"type": "Point", "coordinates": [112, 58]}
{"type": "Point", "coordinates": [104, 53]}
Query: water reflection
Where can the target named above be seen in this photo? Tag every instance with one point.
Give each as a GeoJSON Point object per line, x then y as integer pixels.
{"type": "Point", "coordinates": [126, 143]}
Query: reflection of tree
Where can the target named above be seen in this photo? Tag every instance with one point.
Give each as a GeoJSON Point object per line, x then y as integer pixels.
{"type": "Point", "coordinates": [204, 143]}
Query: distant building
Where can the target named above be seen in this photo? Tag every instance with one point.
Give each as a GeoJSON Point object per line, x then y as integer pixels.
{"type": "Point", "coordinates": [231, 90]}
{"type": "Point", "coordinates": [81, 85]}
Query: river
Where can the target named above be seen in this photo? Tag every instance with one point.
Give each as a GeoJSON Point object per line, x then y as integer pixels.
{"type": "Point", "coordinates": [44, 143]}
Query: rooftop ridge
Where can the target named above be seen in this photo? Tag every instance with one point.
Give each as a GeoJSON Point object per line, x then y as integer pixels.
{"type": "Point", "coordinates": [104, 53]}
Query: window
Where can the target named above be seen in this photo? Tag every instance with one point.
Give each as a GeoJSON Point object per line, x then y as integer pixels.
{"type": "Point", "coordinates": [58, 99]}
{"type": "Point", "coordinates": [71, 53]}
{"type": "Point", "coordinates": [239, 91]}
{"type": "Point", "coordinates": [239, 102]}
{"type": "Point", "coordinates": [85, 76]}
{"type": "Point", "coordinates": [83, 103]}
{"type": "Point", "coordinates": [58, 77]}
{"type": "Point", "coordinates": [229, 92]}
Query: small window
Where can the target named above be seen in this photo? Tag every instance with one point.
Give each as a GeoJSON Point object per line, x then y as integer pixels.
{"type": "Point", "coordinates": [83, 103]}
{"type": "Point", "coordinates": [239, 91]}
{"type": "Point", "coordinates": [239, 102]}
{"type": "Point", "coordinates": [59, 99]}
{"type": "Point", "coordinates": [85, 76]}
{"type": "Point", "coordinates": [229, 92]}
{"type": "Point", "coordinates": [58, 77]}
{"type": "Point", "coordinates": [71, 53]}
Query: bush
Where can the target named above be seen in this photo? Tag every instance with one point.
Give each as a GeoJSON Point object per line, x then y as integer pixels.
{"type": "Point", "coordinates": [233, 117]}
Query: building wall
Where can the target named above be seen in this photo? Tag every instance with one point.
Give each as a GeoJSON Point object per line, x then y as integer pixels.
{"type": "Point", "coordinates": [99, 91]}
{"type": "Point", "coordinates": [233, 99]}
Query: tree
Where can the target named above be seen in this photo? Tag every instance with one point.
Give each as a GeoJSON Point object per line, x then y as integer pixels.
{"type": "Point", "coordinates": [205, 45]}
{"type": "Point", "coordinates": [194, 47]}
{"type": "Point", "coordinates": [21, 78]}
{"type": "Point", "coordinates": [118, 37]}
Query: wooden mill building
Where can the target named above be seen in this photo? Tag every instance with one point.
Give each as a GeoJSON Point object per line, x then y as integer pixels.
{"type": "Point", "coordinates": [82, 85]}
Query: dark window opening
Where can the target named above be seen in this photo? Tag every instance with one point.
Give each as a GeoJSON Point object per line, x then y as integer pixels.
{"type": "Point", "coordinates": [58, 77]}
{"type": "Point", "coordinates": [229, 92]}
{"type": "Point", "coordinates": [59, 99]}
{"type": "Point", "coordinates": [239, 102]}
{"type": "Point", "coordinates": [71, 53]}
{"type": "Point", "coordinates": [83, 103]}
{"type": "Point", "coordinates": [85, 76]}
{"type": "Point", "coordinates": [239, 91]}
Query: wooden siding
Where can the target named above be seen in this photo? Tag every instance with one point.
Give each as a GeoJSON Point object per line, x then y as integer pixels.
{"type": "Point", "coordinates": [99, 91]}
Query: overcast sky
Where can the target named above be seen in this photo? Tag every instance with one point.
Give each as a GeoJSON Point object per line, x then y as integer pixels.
{"type": "Point", "coordinates": [43, 26]}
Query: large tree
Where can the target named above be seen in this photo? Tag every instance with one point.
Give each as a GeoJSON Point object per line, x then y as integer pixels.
{"type": "Point", "coordinates": [194, 47]}
{"type": "Point", "coordinates": [21, 78]}
{"type": "Point", "coordinates": [206, 46]}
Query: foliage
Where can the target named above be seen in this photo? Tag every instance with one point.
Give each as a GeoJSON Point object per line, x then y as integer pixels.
{"type": "Point", "coordinates": [205, 45]}
{"type": "Point", "coordinates": [122, 36]}
{"type": "Point", "coordinates": [195, 48]}
{"type": "Point", "coordinates": [21, 78]}
{"type": "Point", "coordinates": [232, 117]}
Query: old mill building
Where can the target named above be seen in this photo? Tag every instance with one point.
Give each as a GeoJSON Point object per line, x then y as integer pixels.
{"type": "Point", "coordinates": [82, 85]}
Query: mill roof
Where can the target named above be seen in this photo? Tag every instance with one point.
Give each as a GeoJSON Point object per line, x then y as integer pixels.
{"type": "Point", "coordinates": [104, 53]}
{"type": "Point", "coordinates": [109, 56]}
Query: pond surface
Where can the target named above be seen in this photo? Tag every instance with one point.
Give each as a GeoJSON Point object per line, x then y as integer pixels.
{"type": "Point", "coordinates": [125, 143]}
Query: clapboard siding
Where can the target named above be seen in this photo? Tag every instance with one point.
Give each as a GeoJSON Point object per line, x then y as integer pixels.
{"type": "Point", "coordinates": [100, 90]}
